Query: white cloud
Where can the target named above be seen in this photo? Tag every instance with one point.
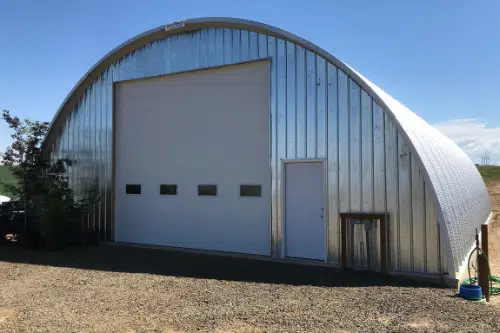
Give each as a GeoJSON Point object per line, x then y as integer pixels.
{"type": "Point", "coordinates": [474, 137]}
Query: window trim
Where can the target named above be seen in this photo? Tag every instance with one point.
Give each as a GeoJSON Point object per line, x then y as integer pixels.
{"type": "Point", "coordinates": [208, 195]}
{"type": "Point", "coordinates": [127, 186]}
{"type": "Point", "coordinates": [169, 194]}
{"type": "Point", "coordinates": [250, 186]}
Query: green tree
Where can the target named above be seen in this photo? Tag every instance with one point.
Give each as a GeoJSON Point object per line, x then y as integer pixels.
{"type": "Point", "coordinates": [24, 156]}
{"type": "Point", "coordinates": [43, 184]}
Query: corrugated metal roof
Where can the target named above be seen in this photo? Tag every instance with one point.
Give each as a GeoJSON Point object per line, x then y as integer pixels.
{"type": "Point", "coordinates": [461, 196]}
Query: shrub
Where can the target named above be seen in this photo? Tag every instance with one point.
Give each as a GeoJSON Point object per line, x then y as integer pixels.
{"type": "Point", "coordinates": [54, 213]}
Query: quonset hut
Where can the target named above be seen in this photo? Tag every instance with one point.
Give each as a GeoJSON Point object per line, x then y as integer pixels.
{"type": "Point", "coordinates": [230, 135]}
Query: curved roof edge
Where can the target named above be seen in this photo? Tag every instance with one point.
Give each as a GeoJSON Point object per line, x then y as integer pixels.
{"type": "Point", "coordinates": [453, 177]}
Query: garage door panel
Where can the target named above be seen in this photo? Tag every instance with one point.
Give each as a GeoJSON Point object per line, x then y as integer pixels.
{"type": "Point", "coordinates": [199, 230]}
{"type": "Point", "coordinates": [206, 127]}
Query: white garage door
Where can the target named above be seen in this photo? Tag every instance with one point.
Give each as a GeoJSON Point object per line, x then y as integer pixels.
{"type": "Point", "coordinates": [192, 160]}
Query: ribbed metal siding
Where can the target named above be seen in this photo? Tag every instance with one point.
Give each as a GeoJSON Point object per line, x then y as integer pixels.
{"type": "Point", "coordinates": [333, 166]}
{"type": "Point", "coordinates": [316, 111]}
{"type": "Point", "coordinates": [405, 216]}
{"type": "Point", "coordinates": [418, 218]}
{"type": "Point", "coordinates": [392, 191]}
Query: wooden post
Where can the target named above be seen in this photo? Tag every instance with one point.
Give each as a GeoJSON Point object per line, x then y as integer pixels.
{"type": "Point", "coordinates": [383, 221]}
{"type": "Point", "coordinates": [383, 245]}
{"type": "Point", "coordinates": [343, 226]}
{"type": "Point", "coordinates": [484, 277]}
{"type": "Point", "coordinates": [484, 238]}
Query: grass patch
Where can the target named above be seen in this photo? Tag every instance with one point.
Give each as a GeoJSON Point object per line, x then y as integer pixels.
{"type": "Point", "coordinates": [489, 172]}
{"type": "Point", "coordinates": [8, 177]}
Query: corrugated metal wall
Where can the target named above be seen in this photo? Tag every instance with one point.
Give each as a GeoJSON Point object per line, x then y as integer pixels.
{"type": "Point", "coordinates": [317, 111]}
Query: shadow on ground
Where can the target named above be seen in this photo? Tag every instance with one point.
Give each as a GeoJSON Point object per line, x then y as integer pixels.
{"type": "Point", "coordinates": [196, 265]}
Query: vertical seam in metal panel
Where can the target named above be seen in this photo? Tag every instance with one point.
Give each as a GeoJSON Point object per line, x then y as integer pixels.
{"type": "Point", "coordinates": [384, 165]}
{"type": "Point", "coordinates": [306, 105]}
{"type": "Point", "coordinates": [74, 155]}
{"type": "Point", "coordinates": [306, 102]}
{"type": "Point", "coordinates": [109, 153]}
{"type": "Point", "coordinates": [350, 231]}
{"type": "Point", "coordinates": [97, 113]}
{"type": "Point", "coordinates": [372, 162]}
{"type": "Point", "coordinates": [275, 148]}
{"type": "Point", "coordinates": [338, 163]}
{"type": "Point", "coordinates": [325, 111]}
{"type": "Point", "coordinates": [296, 52]}
{"type": "Point", "coordinates": [266, 46]}
{"type": "Point", "coordinates": [271, 226]}
{"type": "Point", "coordinates": [102, 159]}
{"type": "Point", "coordinates": [101, 163]}
{"type": "Point", "coordinates": [105, 165]}
{"type": "Point", "coordinates": [79, 147]}
{"type": "Point", "coordinates": [96, 220]}
{"type": "Point", "coordinates": [249, 52]}
{"type": "Point", "coordinates": [240, 55]}
{"type": "Point", "coordinates": [348, 143]}
{"type": "Point", "coordinates": [97, 144]}
{"type": "Point", "coordinates": [83, 162]}
{"type": "Point", "coordinates": [258, 45]}
{"type": "Point", "coordinates": [109, 147]}
{"type": "Point", "coordinates": [71, 148]}
{"type": "Point", "coordinates": [87, 148]}
{"type": "Point", "coordinates": [327, 174]}
{"type": "Point", "coordinates": [440, 266]}
{"type": "Point", "coordinates": [109, 159]}
{"type": "Point", "coordinates": [166, 55]}
{"type": "Point", "coordinates": [316, 105]}
{"type": "Point", "coordinates": [360, 147]}
{"type": "Point", "coordinates": [396, 136]}
{"type": "Point", "coordinates": [224, 45]}
{"type": "Point", "coordinates": [104, 180]}
{"type": "Point", "coordinates": [113, 163]}
{"type": "Point", "coordinates": [373, 153]}
{"type": "Point", "coordinates": [424, 194]}
{"type": "Point", "coordinates": [275, 239]}
{"type": "Point", "coordinates": [278, 145]}
{"type": "Point", "coordinates": [285, 65]}
{"type": "Point", "coordinates": [91, 149]}
{"type": "Point", "coordinates": [360, 168]}
{"type": "Point", "coordinates": [200, 40]}
{"type": "Point", "coordinates": [412, 263]}
{"type": "Point", "coordinates": [249, 57]}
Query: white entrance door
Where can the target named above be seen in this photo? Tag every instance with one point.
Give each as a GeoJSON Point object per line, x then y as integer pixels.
{"type": "Point", "coordinates": [305, 234]}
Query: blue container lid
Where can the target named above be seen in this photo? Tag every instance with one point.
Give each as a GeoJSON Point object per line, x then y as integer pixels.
{"type": "Point", "coordinates": [471, 291]}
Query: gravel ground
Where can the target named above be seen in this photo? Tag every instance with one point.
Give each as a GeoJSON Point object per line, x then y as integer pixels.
{"type": "Point", "coordinates": [117, 289]}
{"type": "Point", "coordinates": [494, 234]}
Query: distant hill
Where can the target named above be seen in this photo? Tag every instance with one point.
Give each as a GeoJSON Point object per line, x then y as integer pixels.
{"type": "Point", "coordinates": [489, 172]}
{"type": "Point", "coordinates": [7, 176]}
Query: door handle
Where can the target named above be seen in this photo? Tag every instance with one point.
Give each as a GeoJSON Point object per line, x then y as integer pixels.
{"type": "Point", "coordinates": [322, 216]}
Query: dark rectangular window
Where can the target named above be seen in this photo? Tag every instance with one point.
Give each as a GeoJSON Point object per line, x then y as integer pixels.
{"type": "Point", "coordinates": [133, 189]}
{"type": "Point", "coordinates": [166, 189]}
{"type": "Point", "coordinates": [207, 190]}
{"type": "Point", "coordinates": [250, 190]}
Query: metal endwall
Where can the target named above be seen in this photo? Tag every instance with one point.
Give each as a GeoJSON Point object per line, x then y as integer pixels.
{"type": "Point", "coordinates": [316, 111]}
{"type": "Point", "coordinates": [333, 166]}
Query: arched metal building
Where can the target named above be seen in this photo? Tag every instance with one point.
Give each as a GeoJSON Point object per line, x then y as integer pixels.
{"type": "Point", "coordinates": [231, 135]}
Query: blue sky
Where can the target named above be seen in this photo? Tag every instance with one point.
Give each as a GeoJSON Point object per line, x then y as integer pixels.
{"type": "Point", "coordinates": [440, 58]}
